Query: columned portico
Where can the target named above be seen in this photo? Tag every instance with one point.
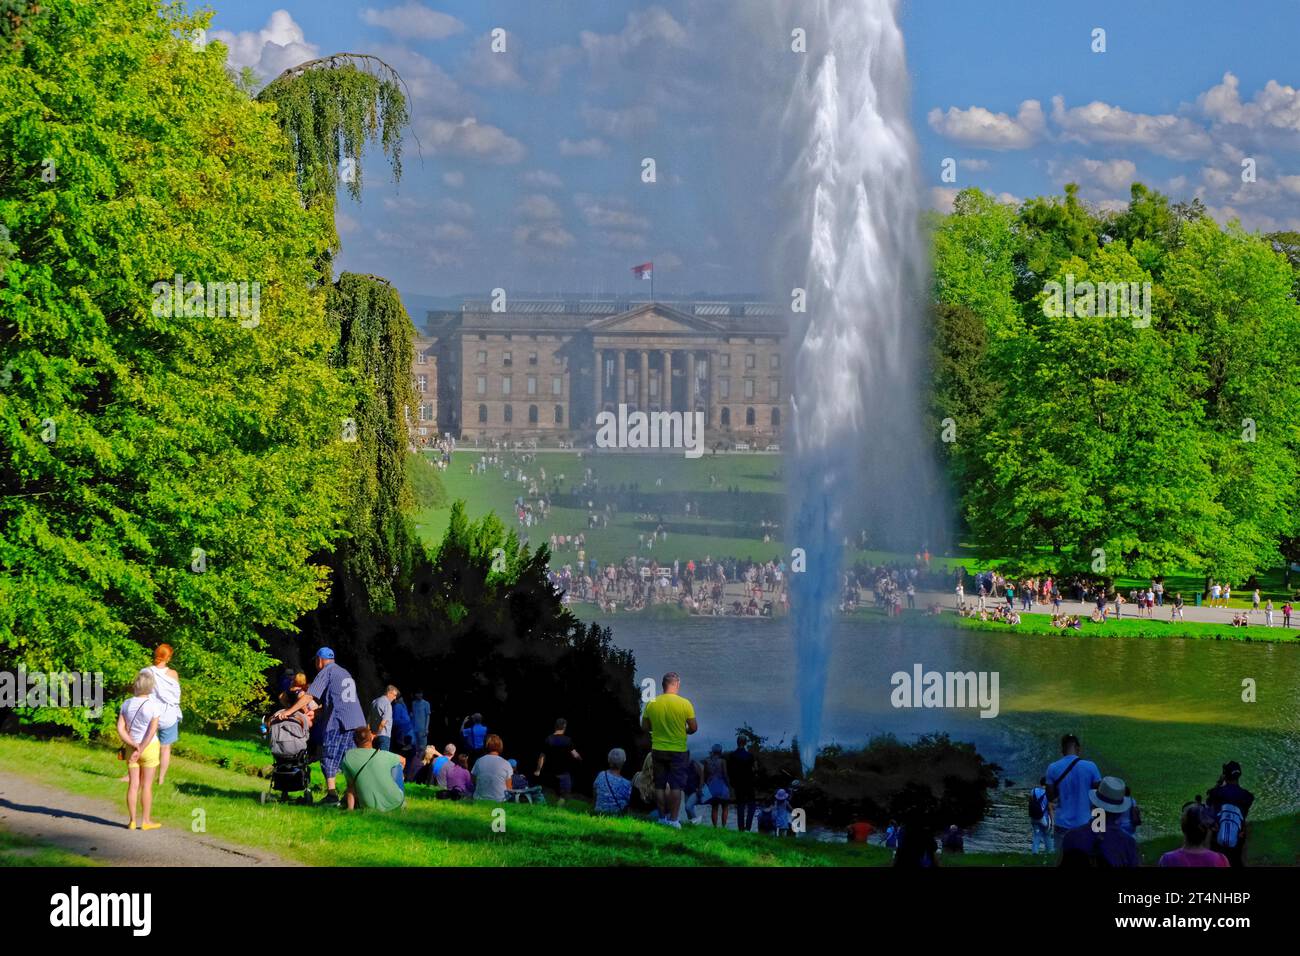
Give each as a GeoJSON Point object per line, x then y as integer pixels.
{"type": "Point", "coordinates": [666, 388]}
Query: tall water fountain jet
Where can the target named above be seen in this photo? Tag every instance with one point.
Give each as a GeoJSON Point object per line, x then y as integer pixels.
{"type": "Point", "coordinates": [858, 460]}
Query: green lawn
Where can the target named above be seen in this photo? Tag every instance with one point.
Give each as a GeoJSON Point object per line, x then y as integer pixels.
{"type": "Point", "coordinates": [217, 773]}
{"type": "Point", "coordinates": [746, 490]}
{"type": "Point", "coordinates": [759, 495]}
{"type": "Point", "coordinates": [427, 832]}
{"type": "Point", "coordinates": [1125, 627]}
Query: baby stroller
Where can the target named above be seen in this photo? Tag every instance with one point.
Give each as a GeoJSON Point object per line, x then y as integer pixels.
{"type": "Point", "coordinates": [292, 771]}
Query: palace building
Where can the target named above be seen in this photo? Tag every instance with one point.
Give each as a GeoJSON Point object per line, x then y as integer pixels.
{"type": "Point", "coordinates": [545, 368]}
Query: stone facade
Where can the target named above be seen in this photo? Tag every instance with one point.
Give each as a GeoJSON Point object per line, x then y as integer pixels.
{"type": "Point", "coordinates": [546, 368]}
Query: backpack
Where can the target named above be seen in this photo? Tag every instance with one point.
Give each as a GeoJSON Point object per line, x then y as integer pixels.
{"type": "Point", "coordinates": [1231, 821]}
{"type": "Point", "coordinates": [1037, 806]}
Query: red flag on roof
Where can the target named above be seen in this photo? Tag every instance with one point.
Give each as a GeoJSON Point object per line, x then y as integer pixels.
{"type": "Point", "coordinates": [644, 270]}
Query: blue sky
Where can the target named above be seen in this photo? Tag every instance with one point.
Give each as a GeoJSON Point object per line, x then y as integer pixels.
{"type": "Point", "coordinates": [527, 173]}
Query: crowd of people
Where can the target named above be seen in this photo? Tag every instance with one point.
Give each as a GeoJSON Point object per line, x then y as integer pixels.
{"type": "Point", "coordinates": [1093, 819]}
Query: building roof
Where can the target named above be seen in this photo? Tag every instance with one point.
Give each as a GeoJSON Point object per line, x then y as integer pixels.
{"type": "Point", "coordinates": [576, 315]}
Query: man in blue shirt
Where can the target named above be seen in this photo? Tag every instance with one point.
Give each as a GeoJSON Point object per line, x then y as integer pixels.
{"type": "Point", "coordinates": [1070, 781]}
{"type": "Point", "coordinates": [420, 721]}
{"type": "Point", "coordinates": [474, 732]}
{"type": "Point", "coordinates": [335, 692]}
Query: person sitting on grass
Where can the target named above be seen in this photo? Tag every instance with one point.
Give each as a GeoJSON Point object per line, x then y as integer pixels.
{"type": "Point", "coordinates": [1197, 823]}
{"type": "Point", "coordinates": [613, 791]}
{"type": "Point", "coordinates": [374, 777]}
{"type": "Point", "coordinates": [424, 773]}
{"type": "Point", "coordinates": [492, 773]}
{"type": "Point", "coordinates": [455, 777]}
{"type": "Point", "coordinates": [137, 726]}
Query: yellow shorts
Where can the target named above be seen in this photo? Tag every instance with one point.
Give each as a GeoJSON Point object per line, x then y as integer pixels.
{"type": "Point", "coordinates": [149, 756]}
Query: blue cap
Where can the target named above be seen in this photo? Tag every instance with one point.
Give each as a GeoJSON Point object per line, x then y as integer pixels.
{"type": "Point", "coordinates": [325, 654]}
{"type": "Point", "coordinates": [513, 762]}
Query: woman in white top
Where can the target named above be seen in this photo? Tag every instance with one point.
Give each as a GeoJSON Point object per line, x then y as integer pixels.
{"type": "Point", "coordinates": [167, 692]}
{"type": "Point", "coordinates": [137, 725]}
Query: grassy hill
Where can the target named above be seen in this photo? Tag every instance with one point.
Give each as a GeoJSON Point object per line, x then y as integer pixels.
{"type": "Point", "coordinates": [217, 774]}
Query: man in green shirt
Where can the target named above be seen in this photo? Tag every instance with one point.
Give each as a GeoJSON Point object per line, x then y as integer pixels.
{"type": "Point", "coordinates": [372, 775]}
{"type": "Point", "coordinates": [669, 718]}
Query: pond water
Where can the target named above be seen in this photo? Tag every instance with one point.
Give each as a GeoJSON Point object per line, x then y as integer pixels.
{"type": "Point", "coordinates": [1163, 714]}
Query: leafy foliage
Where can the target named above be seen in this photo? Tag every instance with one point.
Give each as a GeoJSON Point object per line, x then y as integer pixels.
{"type": "Point", "coordinates": [330, 109]}
{"type": "Point", "coordinates": [373, 355]}
{"type": "Point", "coordinates": [1164, 446]}
{"type": "Point", "coordinates": [171, 432]}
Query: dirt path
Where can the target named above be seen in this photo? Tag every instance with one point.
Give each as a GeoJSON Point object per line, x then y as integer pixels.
{"type": "Point", "coordinates": [95, 829]}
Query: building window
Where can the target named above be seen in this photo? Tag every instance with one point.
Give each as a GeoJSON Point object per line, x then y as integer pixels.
{"type": "Point", "coordinates": [751, 361]}
{"type": "Point", "coordinates": [532, 356]}
{"type": "Point", "coordinates": [749, 388]}
{"type": "Point", "coordinates": [776, 360]}
{"type": "Point", "coordinates": [480, 384]}
{"type": "Point", "coordinates": [422, 383]}
{"type": "Point", "coordinates": [482, 414]}
{"type": "Point", "coordinates": [724, 387]}
{"type": "Point", "coordinates": [776, 418]}
{"type": "Point", "coordinates": [726, 418]}
{"type": "Point", "coordinates": [724, 360]}
{"type": "Point", "coordinates": [505, 385]}
{"type": "Point", "coordinates": [774, 389]}
{"type": "Point", "coordinates": [532, 414]}
{"type": "Point", "coordinates": [559, 414]}
{"type": "Point", "coordinates": [749, 417]}
{"type": "Point", "coordinates": [557, 385]}
{"type": "Point", "coordinates": [509, 413]}
{"type": "Point", "coordinates": [426, 412]}
{"type": "Point", "coordinates": [482, 356]}
{"type": "Point", "coordinates": [654, 387]}
{"type": "Point", "coordinates": [532, 384]}
{"type": "Point", "coordinates": [482, 337]}
{"type": "Point", "coordinates": [506, 359]}
{"type": "Point", "coordinates": [419, 358]}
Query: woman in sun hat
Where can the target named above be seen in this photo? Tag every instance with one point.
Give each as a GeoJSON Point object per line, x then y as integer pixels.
{"type": "Point", "coordinates": [1082, 846]}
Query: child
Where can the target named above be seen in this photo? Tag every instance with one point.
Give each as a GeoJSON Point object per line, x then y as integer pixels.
{"type": "Point", "coordinates": [137, 726]}
{"type": "Point", "coordinates": [781, 813]}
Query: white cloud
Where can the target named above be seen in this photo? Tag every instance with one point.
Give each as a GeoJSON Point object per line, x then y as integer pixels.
{"type": "Point", "coordinates": [1176, 137]}
{"type": "Point", "coordinates": [620, 124]}
{"type": "Point", "coordinates": [1275, 106]}
{"type": "Point", "coordinates": [645, 28]}
{"type": "Point", "coordinates": [413, 21]}
{"type": "Point", "coordinates": [583, 147]}
{"type": "Point", "coordinates": [271, 50]}
{"type": "Point", "coordinates": [980, 127]}
{"type": "Point", "coordinates": [629, 241]}
{"type": "Point", "coordinates": [1110, 174]}
{"type": "Point", "coordinates": [543, 179]}
{"type": "Point", "coordinates": [451, 232]}
{"type": "Point", "coordinates": [490, 68]}
{"type": "Point", "coordinates": [455, 209]}
{"type": "Point", "coordinates": [538, 207]}
{"type": "Point", "coordinates": [550, 236]}
{"type": "Point", "coordinates": [942, 197]}
{"type": "Point", "coordinates": [470, 138]}
{"type": "Point", "coordinates": [454, 179]}
{"type": "Point", "coordinates": [974, 165]}
{"type": "Point", "coordinates": [609, 213]}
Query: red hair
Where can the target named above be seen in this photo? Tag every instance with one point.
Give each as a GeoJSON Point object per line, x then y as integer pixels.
{"type": "Point", "coordinates": [162, 655]}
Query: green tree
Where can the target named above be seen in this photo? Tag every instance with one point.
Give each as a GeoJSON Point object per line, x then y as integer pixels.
{"type": "Point", "coordinates": [169, 467]}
